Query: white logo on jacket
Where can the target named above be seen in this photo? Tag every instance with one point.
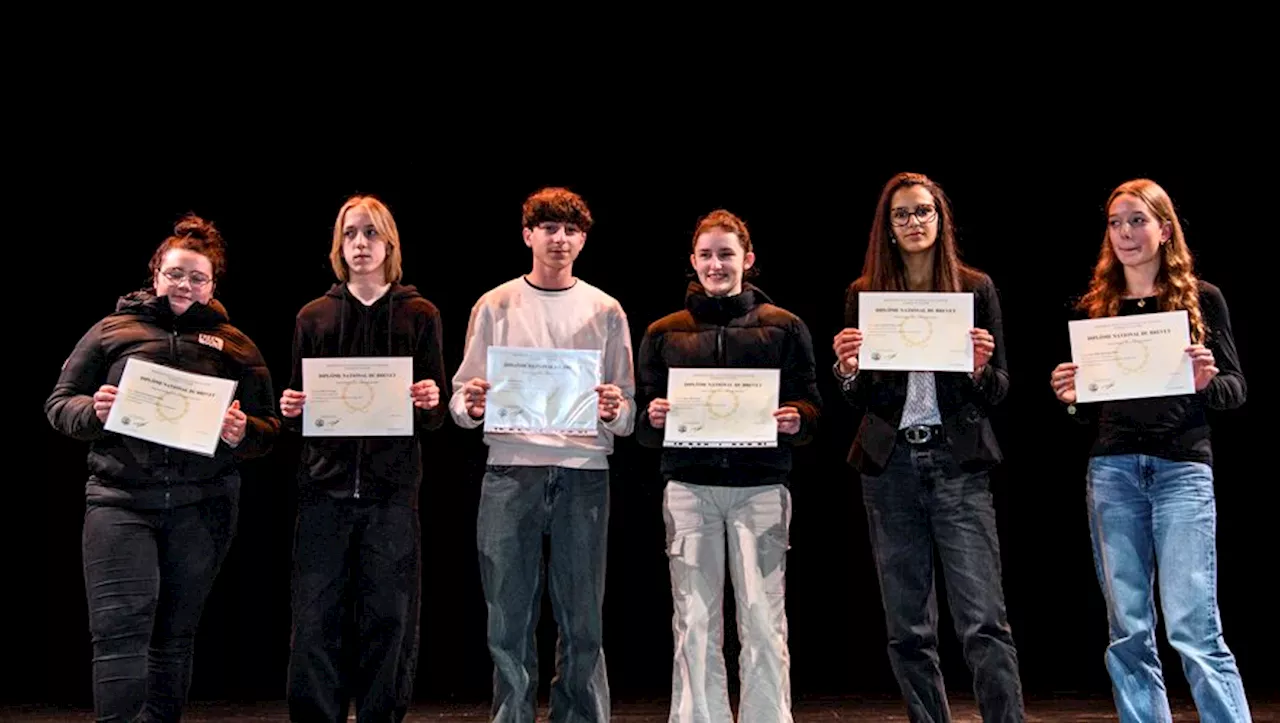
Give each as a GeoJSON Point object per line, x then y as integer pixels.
{"type": "Point", "coordinates": [211, 340]}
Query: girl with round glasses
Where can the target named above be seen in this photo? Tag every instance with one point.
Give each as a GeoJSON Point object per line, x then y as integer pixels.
{"type": "Point", "coordinates": [159, 521]}
{"type": "Point", "coordinates": [924, 449]}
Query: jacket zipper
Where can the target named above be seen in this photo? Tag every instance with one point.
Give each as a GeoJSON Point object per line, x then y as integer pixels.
{"type": "Point", "coordinates": [168, 484]}
{"type": "Point", "coordinates": [360, 442]}
{"type": "Point", "coordinates": [720, 359]}
{"type": "Point", "coordinates": [359, 459]}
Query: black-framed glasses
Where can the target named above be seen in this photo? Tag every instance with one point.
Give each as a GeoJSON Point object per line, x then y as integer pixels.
{"type": "Point", "coordinates": [176, 276]}
{"type": "Point", "coordinates": [924, 213]}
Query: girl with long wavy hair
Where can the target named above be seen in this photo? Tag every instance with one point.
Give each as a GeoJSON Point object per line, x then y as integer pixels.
{"type": "Point", "coordinates": [1150, 476]}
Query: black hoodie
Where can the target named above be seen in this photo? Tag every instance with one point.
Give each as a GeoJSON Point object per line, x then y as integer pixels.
{"type": "Point", "coordinates": [747, 331]}
{"type": "Point", "coordinates": [400, 323]}
{"type": "Point", "coordinates": [129, 472]}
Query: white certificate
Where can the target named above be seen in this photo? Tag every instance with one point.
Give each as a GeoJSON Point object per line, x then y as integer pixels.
{"type": "Point", "coordinates": [722, 408]}
{"type": "Point", "coordinates": [171, 407]}
{"type": "Point", "coordinates": [1130, 357]}
{"type": "Point", "coordinates": [357, 396]}
{"type": "Point", "coordinates": [919, 332]}
{"type": "Point", "coordinates": [542, 391]}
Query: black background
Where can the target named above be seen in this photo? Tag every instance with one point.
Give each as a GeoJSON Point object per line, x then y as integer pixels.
{"type": "Point", "coordinates": [1027, 185]}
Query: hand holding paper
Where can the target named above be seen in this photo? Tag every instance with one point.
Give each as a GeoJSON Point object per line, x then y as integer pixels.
{"type": "Point", "coordinates": [1136, 356]}
{"type": "Point", "coordinates": [724, 407]}
{"type": "Point", "coordinates": [233, 424]}
{"type": "Point", "coordinates": [917, 331]}
{"type": "Point", "coordinates": [168, 406]}
{"type": "Point", "coordinates": [546, 391]}
{"type": "Point", "coordinates": [357, 397]}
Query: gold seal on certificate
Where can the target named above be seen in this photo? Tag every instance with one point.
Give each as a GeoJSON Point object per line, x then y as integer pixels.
{"type": "Point", "coordinates": [357, 397]}
{"type": "Point", "coordinates": [542, 391]}
{"type": "Point", "coordinates": [171, 407]}
{"type": "Point", "coordinates": [717, 407]}
{"type": "Point", "coordinates": [1132, 357]}
{"type": "Point", "coordinates": [915, 331]}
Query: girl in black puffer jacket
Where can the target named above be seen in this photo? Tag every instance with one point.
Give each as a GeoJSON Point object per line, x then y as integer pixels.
{"type": "Point", "coordinates": [159, 520]}
{"type": "Point", "coordinates": [740, 490]}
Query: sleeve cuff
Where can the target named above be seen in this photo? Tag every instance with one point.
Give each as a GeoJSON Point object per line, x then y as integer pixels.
{"type": "Point", "coordinates": [835, 369]}
{"type": "Point", "coordinates": [622, 423]}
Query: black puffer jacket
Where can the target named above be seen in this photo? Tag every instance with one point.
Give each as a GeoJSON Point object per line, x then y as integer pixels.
{"type": "Point", "coordinates": [131, 472]}
{"type": "Point", "coordinates": [744, 331]}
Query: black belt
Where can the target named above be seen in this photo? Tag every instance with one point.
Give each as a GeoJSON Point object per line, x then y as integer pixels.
{"type": "Point", "coordinates": [921, 433]}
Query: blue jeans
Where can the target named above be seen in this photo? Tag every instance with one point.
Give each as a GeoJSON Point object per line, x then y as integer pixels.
{"type": "Point", "coordinates": [518, 507]}
{"type": "Point", "coordinates": [1147, 513]}
{"type": "Point", "coordinates": [147, 574]}
{"type": "Point", "coordinates": [922, 499]}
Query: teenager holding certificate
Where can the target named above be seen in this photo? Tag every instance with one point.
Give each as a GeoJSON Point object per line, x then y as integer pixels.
{"type": "Point", "coordinates": [1150, 479]}
{"type": "Point", "coordinates": [924, 449]}
{"type": "Point", "coordinates": [357, 574]}
{"type": "Point", "coordinates": [734, 492]}
{"type": "Point", "coordinates": [159, 520]}
{"type": "Point", "coordinates": [544, 478]}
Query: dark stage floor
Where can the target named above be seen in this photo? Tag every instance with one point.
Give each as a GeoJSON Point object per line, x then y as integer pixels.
{"type": "Point", "coordinates": [1058, 710]}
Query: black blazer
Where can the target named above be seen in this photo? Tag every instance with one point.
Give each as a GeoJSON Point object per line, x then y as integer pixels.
{"type": "Point", "coordinates": [962, 403]}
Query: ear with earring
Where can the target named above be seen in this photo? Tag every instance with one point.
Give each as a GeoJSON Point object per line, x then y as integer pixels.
{"type": "Point", "coordinates": [893, 241]}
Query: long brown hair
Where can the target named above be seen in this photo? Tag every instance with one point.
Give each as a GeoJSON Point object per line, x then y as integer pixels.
{"type": "Point", "coordinates": [1176, 284]}
{"type": "Point", "coordinates": [883, 268]}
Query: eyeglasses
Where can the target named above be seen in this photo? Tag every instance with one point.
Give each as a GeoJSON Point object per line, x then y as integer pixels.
{"type": "Point", "coordinates": [177, 276]}
{"type": "Point", "coordinates": [550, 228]}
{"type": "Point", "coordinates": [924, 213]}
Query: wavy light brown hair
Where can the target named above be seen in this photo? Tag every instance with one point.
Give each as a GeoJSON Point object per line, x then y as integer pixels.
{"type": "Point", "coordinates": [384, 222]}
{"type": "Point", "coordinates": [883, 268]}
{"type": "Point", "coordinates": [1176, 284]}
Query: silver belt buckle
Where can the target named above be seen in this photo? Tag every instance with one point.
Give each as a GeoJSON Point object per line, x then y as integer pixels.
{"type": "Point", "coordinates": [918, 434]}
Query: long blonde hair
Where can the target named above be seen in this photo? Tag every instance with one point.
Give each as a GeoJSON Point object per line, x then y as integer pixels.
{"type": "Point", "coordinates": [1176, 283]}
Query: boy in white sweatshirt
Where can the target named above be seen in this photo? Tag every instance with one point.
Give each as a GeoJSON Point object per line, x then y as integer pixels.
{"type": "Point", "coordinates": [547, 483]}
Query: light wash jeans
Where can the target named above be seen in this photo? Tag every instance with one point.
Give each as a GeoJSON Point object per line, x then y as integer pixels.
{"type": "Point", "coordinates": [1148, 513]}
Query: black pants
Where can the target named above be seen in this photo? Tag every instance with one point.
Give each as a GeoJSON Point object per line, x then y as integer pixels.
{"type": "Point", "coordinates": [357, 579]}
{"type": "Point", "coordinates": [922, 500]}
{"type": "Point", "coordinates": [147, 574]}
